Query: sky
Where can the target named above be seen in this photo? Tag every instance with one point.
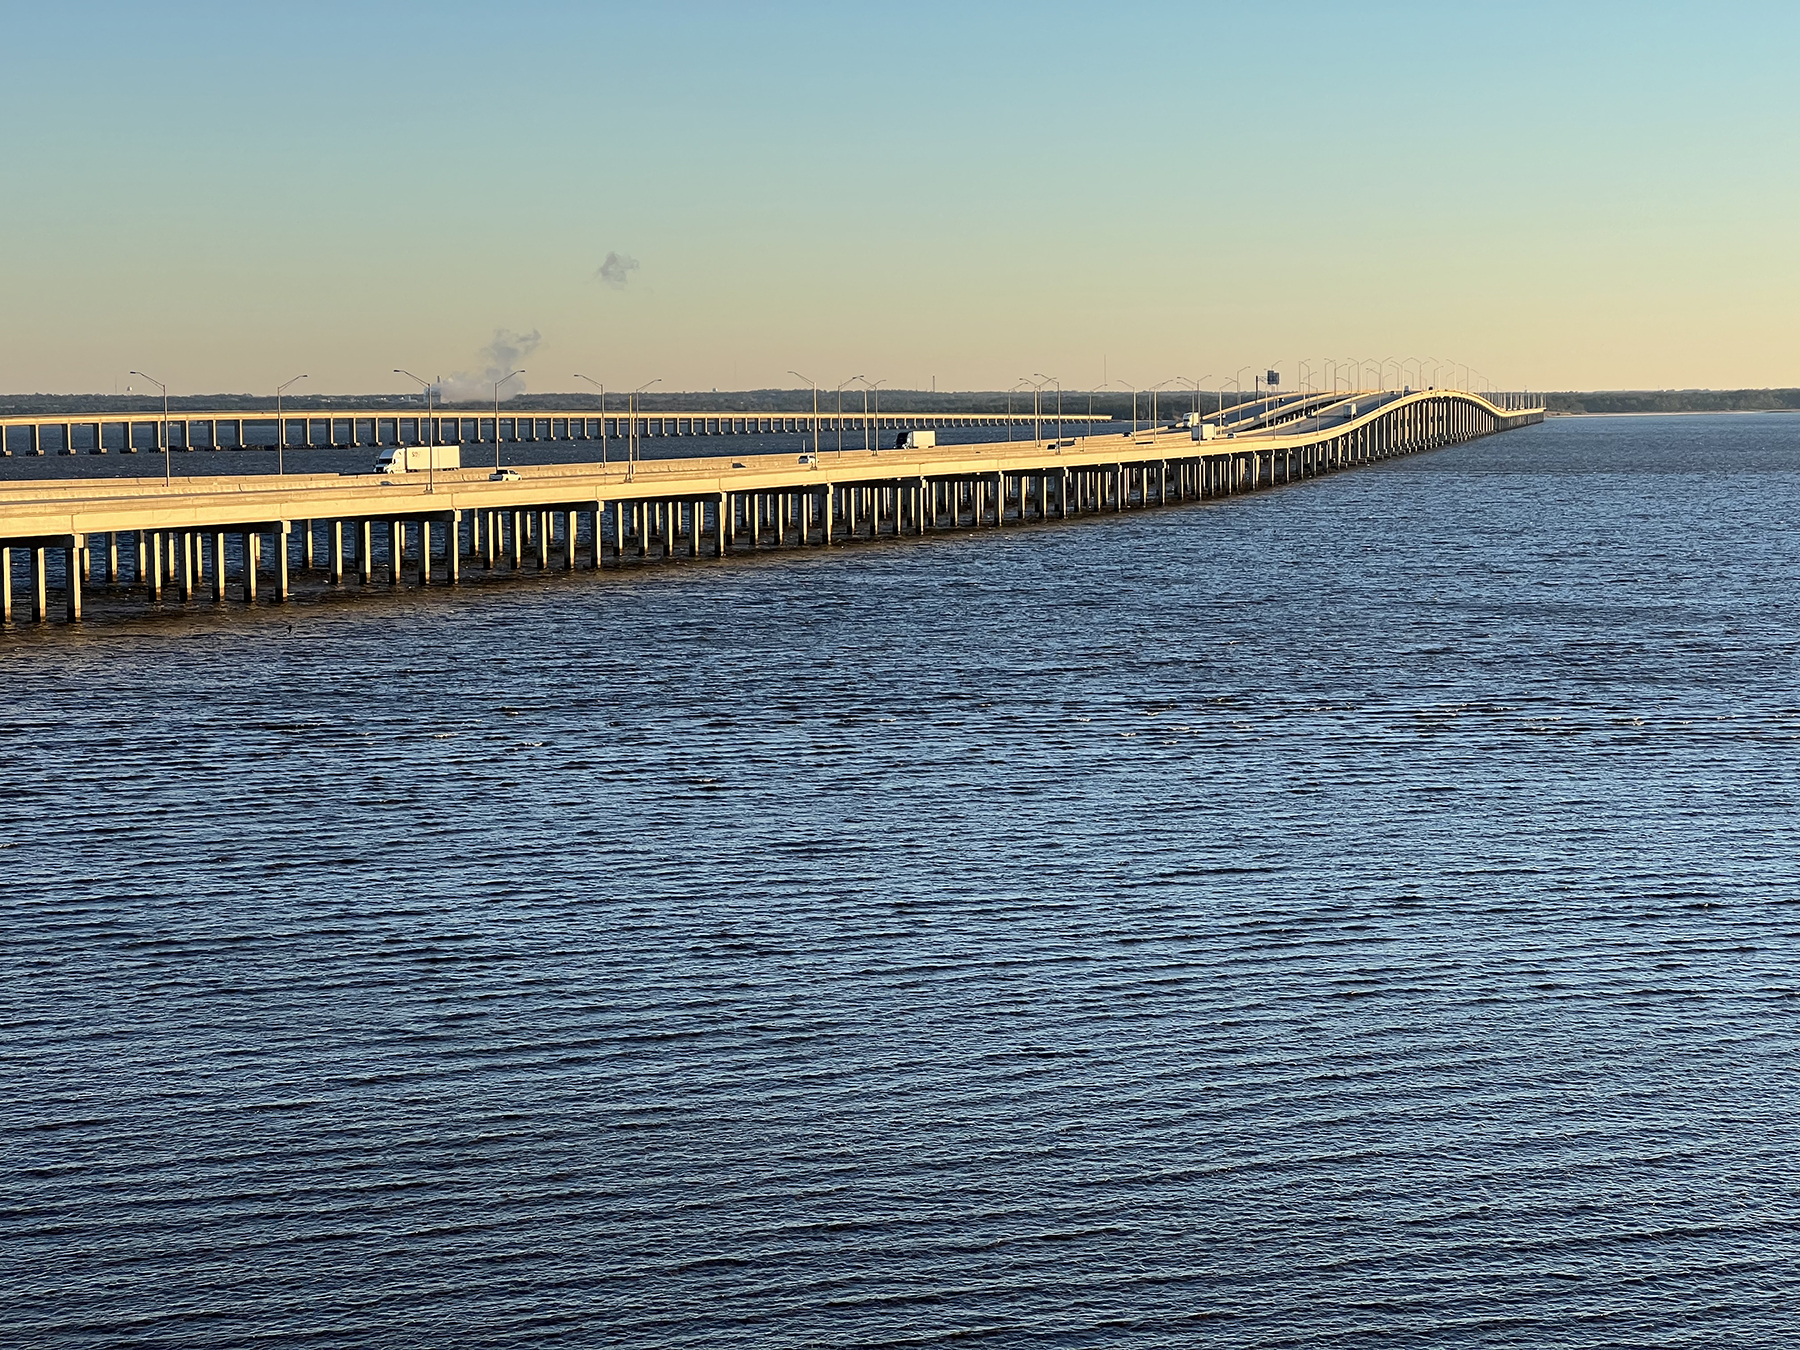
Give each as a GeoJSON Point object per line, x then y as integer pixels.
{"type": "Point", "coordinates": [1569, 196]}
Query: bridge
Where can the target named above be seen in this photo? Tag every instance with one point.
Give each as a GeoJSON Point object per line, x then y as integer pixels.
{"type": "Point", "coordinates": [260, 534]}
{"type": "Point", "coordinates": [350, 428]}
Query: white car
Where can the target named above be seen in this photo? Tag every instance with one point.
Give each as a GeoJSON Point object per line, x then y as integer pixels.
{"type": "Point", "coordinates": [504, 476]}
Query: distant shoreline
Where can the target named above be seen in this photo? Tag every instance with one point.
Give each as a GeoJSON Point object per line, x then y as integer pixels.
{"type": "Point", "coordinates": [1671, 412]}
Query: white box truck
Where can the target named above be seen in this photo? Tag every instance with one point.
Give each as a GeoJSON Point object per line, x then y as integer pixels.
{"type": "Point", "coordinates": [917, 440]}
{"type": "Point", "coordinates": [413, 458]}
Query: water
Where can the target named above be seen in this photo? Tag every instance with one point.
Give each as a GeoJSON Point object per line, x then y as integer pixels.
{"type": "Point", "coordinates": [1359, 914]}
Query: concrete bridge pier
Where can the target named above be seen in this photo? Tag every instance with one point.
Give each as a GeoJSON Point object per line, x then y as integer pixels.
{"type": "Point", "coordinates": [73, 552]}
{"type": "Point", "coordinates": [248, 570]}
{"type": "Point", "coordinates": [453, 548]}
{"type": "Point", "coordinates": [40, 585]}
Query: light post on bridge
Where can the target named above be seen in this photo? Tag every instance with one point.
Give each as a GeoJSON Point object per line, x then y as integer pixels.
{"type": "Point", "coordinates": [427, 432]}
{"type": "Point", "coordinates": [1238, 384]}
{"type": "Point", "coordinates": [1155, 422]}
{"type": "Point", "coordinates": [840, 412]}
{"type": "Point", "coordinates": [164, 433]}
{"type": "Point", "coordinates": [281, 426]}
{"type": "Point", "coordinates": [815, 388]}
{"type": "Point", "coordinates": [1037, 403]}
{"type": "Point", "coordinates": [631, 453]}
{"type": "Point", "coordinates": [1104, 384]}
{"type": "Point", "coordinates": [579, 376]}
{"type": "Point", "coordinates": [502, 380]}
{"type": "Point", "coordinates": [871, 387]}
{"type": "Point", "coordinates": [1051, 379]}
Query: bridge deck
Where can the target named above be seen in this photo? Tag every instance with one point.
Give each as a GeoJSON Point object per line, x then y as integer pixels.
{"type": "Point", "coordinates": [691, 505]}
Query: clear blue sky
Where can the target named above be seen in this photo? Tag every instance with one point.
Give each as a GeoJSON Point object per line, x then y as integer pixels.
{"type": "Point", "coordinates": [1598, 195]}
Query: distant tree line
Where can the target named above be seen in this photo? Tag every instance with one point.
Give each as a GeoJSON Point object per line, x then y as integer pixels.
{"type": "Point", "coordinates": [1169, 402]}
{"type": "Point", "coordinates": [1676, 401]}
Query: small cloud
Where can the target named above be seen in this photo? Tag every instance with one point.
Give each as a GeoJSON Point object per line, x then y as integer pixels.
{"type": "Point", "coordinates": [616, 270]}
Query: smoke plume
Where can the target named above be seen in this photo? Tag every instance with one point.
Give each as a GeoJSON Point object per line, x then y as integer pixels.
{"type": "Point", "coordinates": [616, 270]}
{"type": "Point", "coordinates": [505, 354]}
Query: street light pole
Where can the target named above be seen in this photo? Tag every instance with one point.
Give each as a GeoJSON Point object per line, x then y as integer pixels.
{"type": "Point", "coordinates": [1051, 379]}
{"type": "Point", "coordinates": [875, 389]}
{"type": "Point", "coordinates": [1037, 401]}
{"type": "Point", "coordinates": [1155, 423]}
{"type": "Point", "coordinates": [165, 422]}
{"type": "Point", "coordinates": [497, 383]}
{"type": "Point", "coordinates": [632, 446]}
{"type": "Point", "coordinates": [579, 376]}
{"type": "Point", "coordinates": [840, 412]}
{"type": "Point", "coordinates": [815, 388]}
{"type": "Point", "coordinates": [1238, 381]}
{"type": "Point", "coordinates": [281, 426]}
{"type": "Point", "coordinates": [427, 438]}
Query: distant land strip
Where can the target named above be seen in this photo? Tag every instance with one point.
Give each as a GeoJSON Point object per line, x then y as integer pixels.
{"type": "Point", "coordinates": [1170, 404]}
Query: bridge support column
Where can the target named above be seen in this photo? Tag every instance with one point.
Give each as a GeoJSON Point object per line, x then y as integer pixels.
{"type": "Point", "coordinates": [280, 540]}
{"type": "Point", "coordinates": [218, 567]}
{"type": "Point", "coordinates": [249, 568]}
{"type": "Point", "coordinates": [6, 586]}
{"type": "Point", "coordinates": [453, 547]}
{"type": "Point", "coordinates": [72, 557]}
{"type": "Point", "coordinates": [40, 585]}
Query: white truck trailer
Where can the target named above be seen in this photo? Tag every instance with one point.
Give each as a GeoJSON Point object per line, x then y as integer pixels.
{"type": "Point", "coordinates": [418, 458]}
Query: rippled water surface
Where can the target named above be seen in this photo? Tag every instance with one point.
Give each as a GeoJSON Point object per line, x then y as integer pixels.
{"type": "Point", "coordinates": [1359, 914]}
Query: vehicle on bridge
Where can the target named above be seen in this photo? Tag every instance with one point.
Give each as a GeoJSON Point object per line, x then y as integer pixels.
{"type": "Point", "coordinates": [418, 458]}
{"type": "Point", "coordinates": [916, 440]}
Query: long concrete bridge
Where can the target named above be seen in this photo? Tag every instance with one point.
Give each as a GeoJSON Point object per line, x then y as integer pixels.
{"type": "Point", "coordinates": [93, 433]}
{"type": "Point", "coordinates": [253, 535]}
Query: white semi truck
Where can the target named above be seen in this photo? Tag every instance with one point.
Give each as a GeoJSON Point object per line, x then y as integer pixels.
{"type": "Point", "coordinates": [418, 458]}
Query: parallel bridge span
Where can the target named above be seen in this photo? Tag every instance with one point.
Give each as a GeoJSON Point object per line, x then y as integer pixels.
{"type": "Point", "coordinates": [207, 535]}
{"type": "Point", "coordinates": [348, 428]}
